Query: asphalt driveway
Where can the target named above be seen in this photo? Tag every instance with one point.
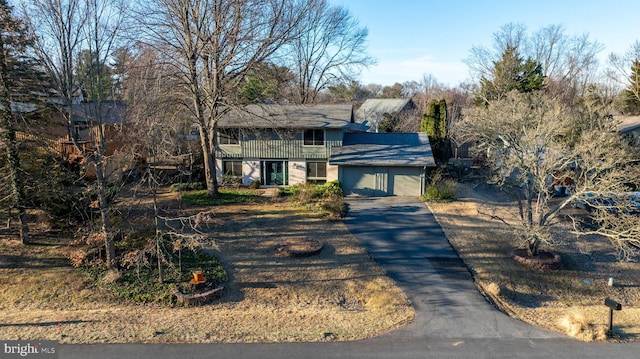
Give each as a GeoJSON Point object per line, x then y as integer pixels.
{"type": "Point", "coordinates": [404, 238]}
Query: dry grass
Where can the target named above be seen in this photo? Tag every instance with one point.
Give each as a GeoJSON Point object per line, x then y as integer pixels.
{"type": "Point", "coordinates": [340, 294]}
{"type": "Point", "coordinates": [575, 293]}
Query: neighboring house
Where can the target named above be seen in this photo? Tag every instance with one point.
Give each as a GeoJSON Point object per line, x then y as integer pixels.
{"type": "Point", "coordinates": [373, 112]}
{"type": "Point", "coordinates": [88, 119]}
{"type": "Point", "coordinates": [290, 144]}
{"type": "Point", "coordinates": [629, 126]}
{"type": "Point", "coordinates": [383, 164]}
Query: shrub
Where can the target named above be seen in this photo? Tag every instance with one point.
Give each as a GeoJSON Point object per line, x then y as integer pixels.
{"type": "Point", "coordinates": [306, 193]}
{"type": "Point", "coordinates": [440, 188]}
{"type": "Point", "coordinates": [187, 186]}
{"type": "Point", "coordinates": [255, 184]}
{"type": "Point", "coordinates": [334, 206]}
{"type": "Point", "coordinates": [231, 180]}
{"type": "Point", "coordinates": [331, 189]}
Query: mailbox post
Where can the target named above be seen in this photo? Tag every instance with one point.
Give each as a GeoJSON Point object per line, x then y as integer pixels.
{"type": "Point", "coordinates": [613, 305]}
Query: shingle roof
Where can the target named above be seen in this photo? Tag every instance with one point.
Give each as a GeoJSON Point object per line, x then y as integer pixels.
{"type": "Point", "coordinates": [112, 112]}
{"type": "Point", "coordinates": [289, 116]}
{"type": "Point", "coordinates": [383, 149]}
{"type": "Point", "coordinates": [628, 123]}
{"type": "Point", "coordinates": [372, 109]}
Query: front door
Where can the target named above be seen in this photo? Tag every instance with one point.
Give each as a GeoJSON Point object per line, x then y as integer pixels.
{"type": "Point", "coordinates": [274, 173]}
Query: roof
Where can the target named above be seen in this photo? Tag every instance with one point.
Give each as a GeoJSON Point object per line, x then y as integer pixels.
{"type": "Point", "coordinates": [628, 123]}
{"type": "Point", "coordinates": [289, 116]}
{"type": "Point", "coordinates": [383, 149]}
{"type": "Point", "coordinates": [374, 108]}
{"type": "Point", "coordinates": [112, 112]}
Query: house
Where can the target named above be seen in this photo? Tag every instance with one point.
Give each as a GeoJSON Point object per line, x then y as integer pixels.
{"type": "Point", "coordinates": [281, 145]}
{"type": "Point", "coordinates": [629, 126]}
{"type": "Point", "coordinates": [290, 144]}
{"type": "Point", "coordinates": [376, 114]}
{"type": "Point", "coordinates": [89, 119]}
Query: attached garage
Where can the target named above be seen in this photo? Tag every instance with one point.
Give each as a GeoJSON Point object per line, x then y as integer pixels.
{"type": "Point", "coordinates": [382, 181]}
{"type": "Point", "coordinates": [383, 164]}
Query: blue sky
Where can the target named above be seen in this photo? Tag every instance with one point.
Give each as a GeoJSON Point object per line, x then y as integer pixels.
{"type": "Point", "coordinates": [410, 38]}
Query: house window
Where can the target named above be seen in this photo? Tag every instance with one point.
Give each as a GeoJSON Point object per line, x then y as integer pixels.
{"type": "Point", "coordinates": [232, 168]}
{"type": "Point", "coordinates": [316, 171]}
{"type": "Point", "coordinates": [228, 136]}
{"type": "Point", "coordinates": [314, 137]}
{"type": "Point", "coordinates": [81, 131]}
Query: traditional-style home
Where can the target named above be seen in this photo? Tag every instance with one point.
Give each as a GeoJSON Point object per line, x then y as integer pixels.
{"type": "Point", "coordinates": [284, 145]}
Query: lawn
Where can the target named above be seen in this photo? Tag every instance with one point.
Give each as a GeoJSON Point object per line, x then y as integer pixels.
{"type": "Point", "coordinates": [570, 300]}
{"type": "Point", "coordinates": [340, 294]}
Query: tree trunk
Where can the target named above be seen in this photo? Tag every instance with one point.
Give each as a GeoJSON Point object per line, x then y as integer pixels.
{"type": "Point", "coordinates": [104, 215]}
{"type": "Point", "coordinates": [24, 225]}
{"type": "Point", "coordinates": [153, 185]}
{"type": "Point", "coordinates": [208, 154]}
{"type": "Point", "coordinates": [210, 173]}
{"type": "Point", "coordinates": [9, 139]}
{"type": "Point", "coordinates": [159, 256]}
{"type": "Point", "coordinates": [17, 190]}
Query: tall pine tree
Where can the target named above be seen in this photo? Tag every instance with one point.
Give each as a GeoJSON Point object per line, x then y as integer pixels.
{"type": "Point", "coordinates": [631, 95]}
{"type": "Point", "coordinates": [510, 73]}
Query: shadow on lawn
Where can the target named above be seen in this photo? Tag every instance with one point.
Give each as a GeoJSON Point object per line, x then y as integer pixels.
{"type": "Point", "coordinates": [46, 324]}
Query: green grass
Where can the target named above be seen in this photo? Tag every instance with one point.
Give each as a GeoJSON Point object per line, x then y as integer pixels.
{"type": "Point", "coordinates": [225, 196]}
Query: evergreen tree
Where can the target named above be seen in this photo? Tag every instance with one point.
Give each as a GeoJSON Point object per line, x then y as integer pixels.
{"type": "Point", "coordinates": [434, 124]}
{"type": "Point", "coordinates": [94, 76]}
{"type": "Point", "coordinates": [442, 119]}
{"type": "Point", "coordinates": [264, 83]}
{"type": "Point", "coordinates": [429, 123]}
{"type": "Point", "coordinates": [509, 74]}
{"type": "Point", "coordinates": [630, 97]}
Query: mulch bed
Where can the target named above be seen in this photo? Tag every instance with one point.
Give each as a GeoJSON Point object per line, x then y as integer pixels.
{"type": "Point", "coordinates": [543, 261]}
{"type": "Point", "coordinates": [299, 247]}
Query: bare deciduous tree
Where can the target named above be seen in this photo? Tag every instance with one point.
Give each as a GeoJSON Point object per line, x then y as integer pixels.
{"type": "Point", "coordinates": [155, 116]}
{"type": "Point", "coordinates": [63, 28]}
{"type": "Point", "coordinates": [212, 46]}
{"type": "Point", "coordinates": [569, 63]}
{"type": "Point", "coordinates": [18, 80]}
{"type": "Point", "coordinates": [621, 69]}
{"type": "Point", "coordinates": [329, 48]}
{"type": "Point", "coordinates": [533, 140]}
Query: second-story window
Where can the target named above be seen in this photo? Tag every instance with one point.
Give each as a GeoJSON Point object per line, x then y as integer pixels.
{"type": "Point", "coordinates": [228, 136]}
{"type": "Point", "coordinates": [314, 137]}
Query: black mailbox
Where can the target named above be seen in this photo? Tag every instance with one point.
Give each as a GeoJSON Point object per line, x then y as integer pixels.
{"type": "Point", "coordinates": [612, 304]}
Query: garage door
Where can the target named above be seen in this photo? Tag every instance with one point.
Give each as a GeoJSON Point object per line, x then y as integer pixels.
{"type": "Point", "coordinates": [404, 181]}
{"type": "Point", "coordinates": [381, 181]}
{"type": "Point", "coordinates": [364, 181]}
